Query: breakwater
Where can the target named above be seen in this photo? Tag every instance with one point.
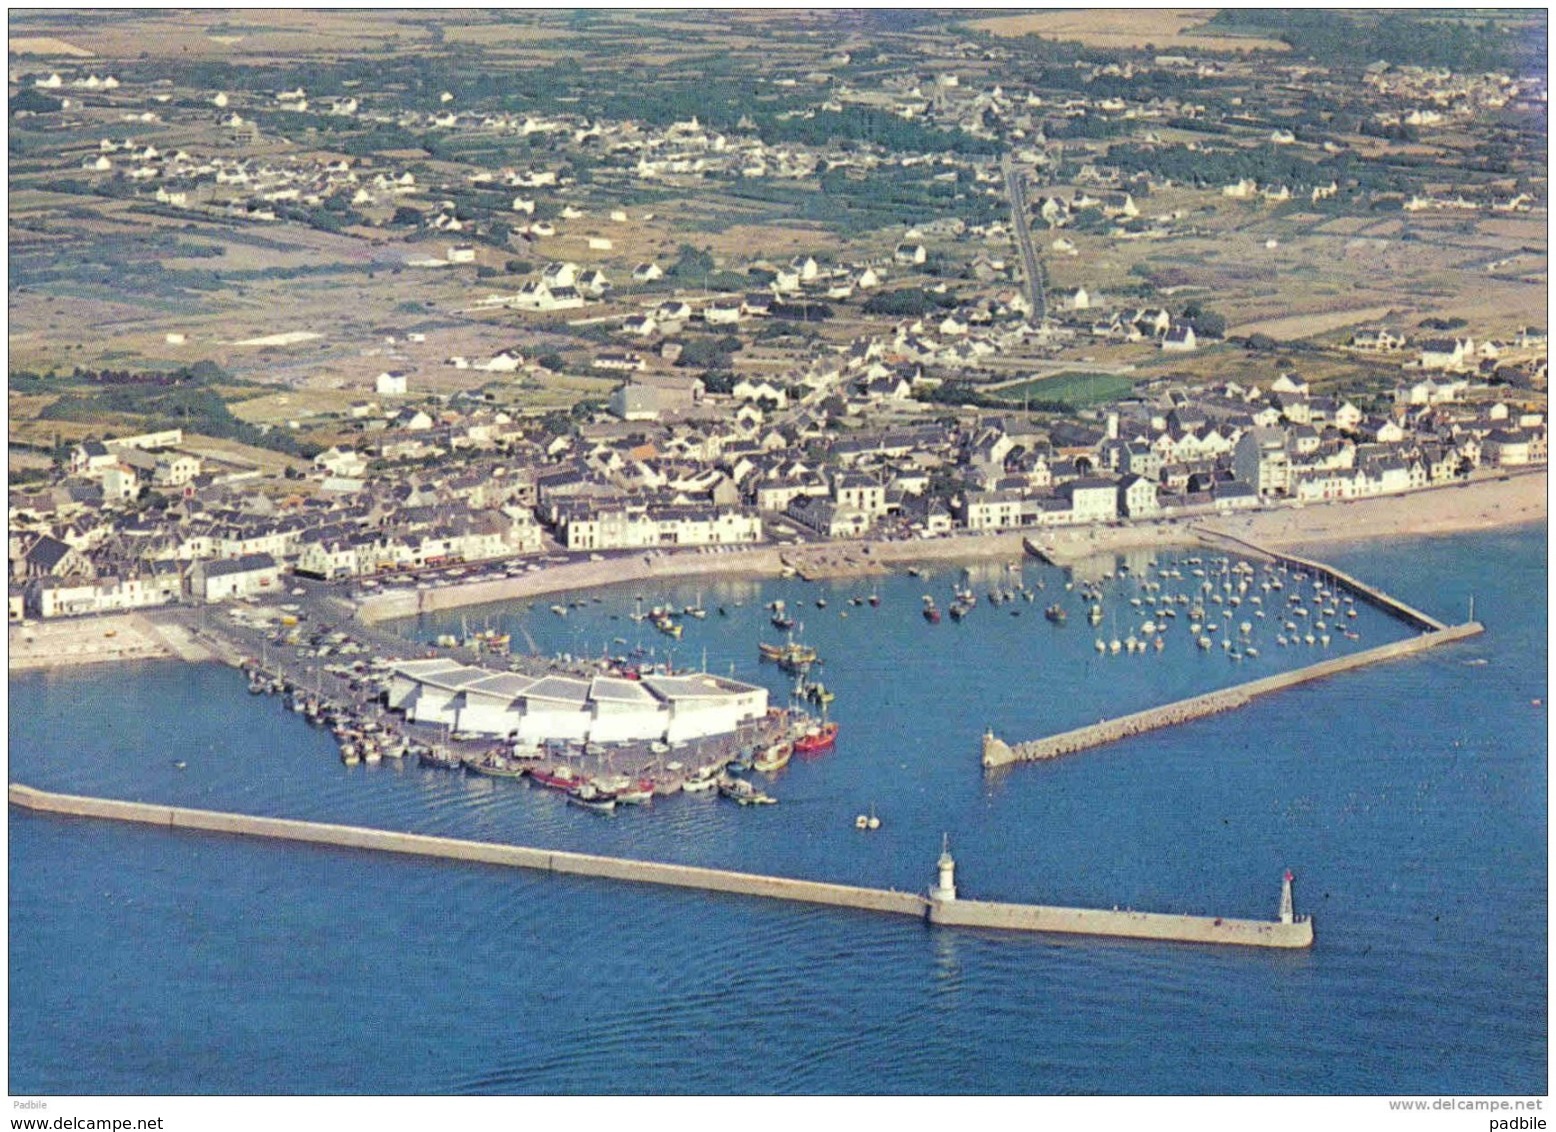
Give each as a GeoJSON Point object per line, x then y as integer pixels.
{"type": "Point", "coordinates": [940, 906]}
{"type": "Point", "coordinates": [996, 752]}
{"type": "Point", "coordinates": [1370, 594]}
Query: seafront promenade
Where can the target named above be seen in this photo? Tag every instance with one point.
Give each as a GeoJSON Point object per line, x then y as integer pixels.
{"type": "Point", "coordinates": [940, 906]}
{"type": "Point", "coordinates": [1484, 503]}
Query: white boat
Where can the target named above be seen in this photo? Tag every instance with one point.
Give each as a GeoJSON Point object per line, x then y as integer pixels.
{"type": "Point", "coordinates": [701, 782]}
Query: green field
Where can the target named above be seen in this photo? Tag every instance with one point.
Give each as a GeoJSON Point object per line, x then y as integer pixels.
{"type": "Point", "coordinates": [1074, 388]}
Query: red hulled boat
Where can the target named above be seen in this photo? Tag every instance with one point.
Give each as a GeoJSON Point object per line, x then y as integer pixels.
{"type": "Point", "coordinates": [816, 741]}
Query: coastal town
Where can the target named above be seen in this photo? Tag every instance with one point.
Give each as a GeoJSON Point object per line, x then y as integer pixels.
{"type": "Point", "coordinates": [469, 467]}
{"type": "Point", "coordinates": [584, 375]}
{"type": "Point", "coordinates": [570, 389]}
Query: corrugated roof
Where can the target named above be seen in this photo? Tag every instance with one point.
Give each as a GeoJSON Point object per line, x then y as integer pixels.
{"type": "Point", "coordinates": [613, 690]}
{"type": "Point", "coordinates": [562, 688]}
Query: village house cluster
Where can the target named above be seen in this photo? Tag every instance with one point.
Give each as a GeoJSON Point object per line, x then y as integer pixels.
{"type": "Point", "coordinates": [812, 432]}
{"type": "Point", "coordinates": [468, 487]}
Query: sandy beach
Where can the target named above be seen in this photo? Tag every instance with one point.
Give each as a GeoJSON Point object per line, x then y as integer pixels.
{"type": "Point", "coordinates": [97, 640]}
{"type": "Point", "coordinates": [1475, 506]}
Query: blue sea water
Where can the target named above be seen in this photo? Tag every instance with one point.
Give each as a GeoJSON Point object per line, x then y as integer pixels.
{"type": "Point", "coordinates": [1410, 799]}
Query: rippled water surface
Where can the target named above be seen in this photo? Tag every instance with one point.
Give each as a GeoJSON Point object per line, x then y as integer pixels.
{"type": "Point", "coordinates": [1409, 798]}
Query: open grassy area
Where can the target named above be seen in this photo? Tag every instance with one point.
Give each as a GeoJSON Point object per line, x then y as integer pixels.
{"type": "Point", "coordinates": [1073, 387]}
{"type": "Point", "coordinates": [1128, 27]}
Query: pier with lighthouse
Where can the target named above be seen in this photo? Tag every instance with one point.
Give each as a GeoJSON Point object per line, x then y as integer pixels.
{"type": "Point", "coordinates": [940, 905]}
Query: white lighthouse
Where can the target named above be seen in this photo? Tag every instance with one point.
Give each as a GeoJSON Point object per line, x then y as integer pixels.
{"type": "Point", "coordinates": [944, 888]}
{"type": "Point", "coordinates": [1287, 909]}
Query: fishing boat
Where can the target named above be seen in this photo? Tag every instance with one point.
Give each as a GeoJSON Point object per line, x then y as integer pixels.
{"type": "Point", "coordinates": [773, 757]}
{"type": "Point", "coordinates": [561, 778]}
{"type": "Point", "coordinates": [638, 792]}
{"type": "Point", "coordinates": [438, 758]}
{"type": "Point", "coordinates": [931, 614]}
{"type": "Point", "coordinates": [818, 693]}
{"type": "Point", "coordinates": [741, 791]}
{"type": "Point", "coordinates": [704, 780]}
{"type": "Point", "coordinates": [587, 796]}
{"type": "Point", "coordinates": [790, 650]}
{"type": "Point", "coordinates": [695, 609]}
{"type": "Point", "coordinates": [817, 740]}
{"type": "Point", "coordinates": [494, 764]}
{"type": "Point", "coordinates": [957, 611]}
{"type": "Point", "coordinates": [1056, 614]}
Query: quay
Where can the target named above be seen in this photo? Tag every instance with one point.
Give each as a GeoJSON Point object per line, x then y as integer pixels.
{"type": "Point", "coordinates": [939, 906]}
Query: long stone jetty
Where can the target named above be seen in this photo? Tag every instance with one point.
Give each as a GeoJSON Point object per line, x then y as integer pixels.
{"type": "Point", "coordinates": [996, 752]}
{"type": "Point", "coordinates": [939, 906]}
{"type": "Point", "coordinates": [1370, 594]}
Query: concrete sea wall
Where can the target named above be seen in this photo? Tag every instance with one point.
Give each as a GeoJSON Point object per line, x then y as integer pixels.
{"type": "Point", "coordinates": [483, 852]}
{"type": "Point", "coordinates": [951, 913]}
{"type": "Point", "coordinates": [1121, 924]}
{"type": "Point", "coordinates": [1370, 594]}
{"type": "Point", "coordinates": [997, 753]}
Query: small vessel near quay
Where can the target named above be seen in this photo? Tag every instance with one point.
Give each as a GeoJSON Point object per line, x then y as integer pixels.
{"type": "Point", "coordinates": [740, 791]}
{"type": "Point", "coordinates": [821, 738]}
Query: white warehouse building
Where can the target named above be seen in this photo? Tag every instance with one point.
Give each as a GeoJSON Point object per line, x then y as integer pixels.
{"type": "Point", "coordinates": [605, 709]}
